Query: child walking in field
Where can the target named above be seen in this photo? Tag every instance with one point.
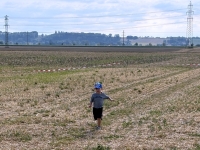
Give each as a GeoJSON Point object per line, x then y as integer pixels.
{"type": "Point", "coordinates": [97, 100]}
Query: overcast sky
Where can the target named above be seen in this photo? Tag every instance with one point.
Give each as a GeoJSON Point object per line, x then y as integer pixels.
{"type": "Point", "coordinates": [136, 17]}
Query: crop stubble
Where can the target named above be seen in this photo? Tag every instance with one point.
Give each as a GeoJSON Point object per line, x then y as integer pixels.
{"type": "Point", "coordinates": [156, 105]}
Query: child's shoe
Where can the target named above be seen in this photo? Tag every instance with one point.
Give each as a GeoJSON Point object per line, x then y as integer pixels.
{"type": "Point", "coordinates": [98, 128]}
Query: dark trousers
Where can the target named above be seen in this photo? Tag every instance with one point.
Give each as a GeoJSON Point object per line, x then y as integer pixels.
{"type": "Point", "coordinates": [97, 113]}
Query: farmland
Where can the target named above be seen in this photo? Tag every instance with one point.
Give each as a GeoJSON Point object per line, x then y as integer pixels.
{"type": "Point", "coordinates": [156, 93]}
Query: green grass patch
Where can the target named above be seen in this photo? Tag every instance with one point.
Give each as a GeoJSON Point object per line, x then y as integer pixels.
{"type": "Point", "coordinates": [109, 104]}
{"type": "Point", "coordinates": [49, 77]}
{"type": "Point", "coordinates": [101, 147]}
{"type": "Point", "coordinates": [62, 122]}
{"type": "Point", "coordinates": [22, 120]}
{"type": "Point", "coordinates": [197, 147]}
{"type": "Point", "coordinates": [112, 137]}
{"type": "Point", "coordinates": [155, 113]}
{"type": "Point", "coordinates": [77, 132]}
{"type": "Point", "coordinates": [127, 124]}
{"type": "Point", "coordinates": [198, 109]}
{"type": "Point", "coordinates": [195, 135]}
{"type": "Point", "coordinates": [61, 140]}
{"type": "Point", "coordinates": [17, 135]}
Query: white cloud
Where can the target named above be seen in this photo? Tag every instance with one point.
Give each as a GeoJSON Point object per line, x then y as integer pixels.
{"type": "Point", "coordinates": [58, 15]}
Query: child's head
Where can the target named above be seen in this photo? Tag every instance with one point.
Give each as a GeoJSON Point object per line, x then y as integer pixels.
{"type": "Point", "coordinates": [98, 87]}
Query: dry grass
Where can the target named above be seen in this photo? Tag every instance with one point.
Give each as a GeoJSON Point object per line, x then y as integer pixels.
{"type": "Point", "coordinates": [155, 107]}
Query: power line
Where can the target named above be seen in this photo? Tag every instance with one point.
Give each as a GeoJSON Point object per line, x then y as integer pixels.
{"type": "Point", "coordinates": [48, 25]}
{"type": "Point", "coordinates": [98, 16]}
{"type": "Point", "coordinates": [105, 22]}
{"type": "Point", "coordinates": [132, 27]}
{"type": "Point", "coordinates": [140, 26]}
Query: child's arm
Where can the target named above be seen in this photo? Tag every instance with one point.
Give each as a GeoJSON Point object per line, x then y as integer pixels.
{"type": "Point", "coordinates": [111, 99]}
{"type": "Point", "coordinates": [107, 97]}
{"type": "Point", "coordinates": [91, 101]}
{"type": "Point", "coordinates": [90, 105]}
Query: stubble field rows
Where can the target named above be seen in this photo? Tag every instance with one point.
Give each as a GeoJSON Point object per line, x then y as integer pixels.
{"type": "Point", "coordinates": [156, 106]}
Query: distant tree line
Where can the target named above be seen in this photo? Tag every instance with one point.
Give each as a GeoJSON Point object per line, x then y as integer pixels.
{"type": "Point", "coordinates": [20, 37]}
{"type": "Point", "coordinates": [82, 39]}
{"type": "Point", "coordinates": [178, 41]}
{"type": "Point", "coordinates": [62, 38]}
